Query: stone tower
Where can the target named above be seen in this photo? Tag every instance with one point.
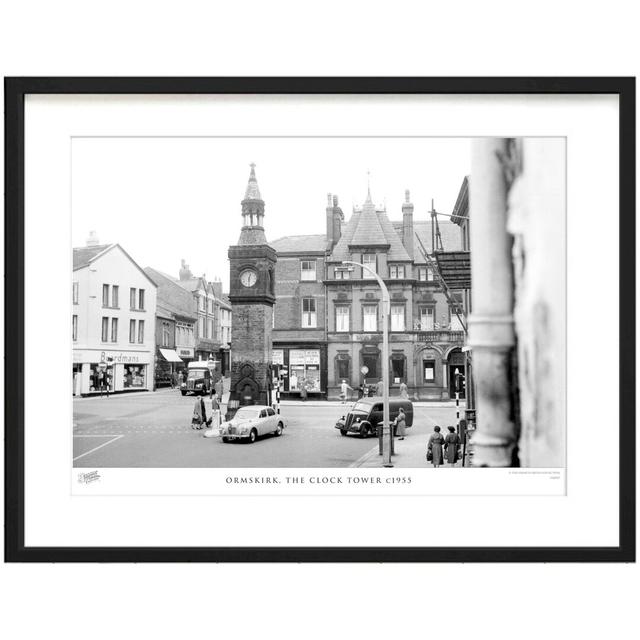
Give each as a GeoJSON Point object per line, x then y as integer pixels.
{"type": "Point", "coordinates": [252, 295]}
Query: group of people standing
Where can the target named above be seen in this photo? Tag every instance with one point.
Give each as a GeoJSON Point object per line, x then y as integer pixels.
{"type": "Point", "coordinates": [441, 448]}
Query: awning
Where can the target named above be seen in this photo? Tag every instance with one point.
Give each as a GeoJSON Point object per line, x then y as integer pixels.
{"type": "Point", "coordinates": [455, 268]}
{"type": "Point", "coordinates": [170, 355]}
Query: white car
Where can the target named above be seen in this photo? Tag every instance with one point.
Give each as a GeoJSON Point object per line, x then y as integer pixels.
{"type": "Point", "coordinates": [251, 422]}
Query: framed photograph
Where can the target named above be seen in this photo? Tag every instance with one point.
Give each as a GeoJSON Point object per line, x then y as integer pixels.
{"type": "Point", "coordinates": [320, 319]}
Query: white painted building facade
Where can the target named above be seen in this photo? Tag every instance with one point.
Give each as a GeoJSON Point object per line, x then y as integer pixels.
{"type": "Point", "coordinates": [113, 322]}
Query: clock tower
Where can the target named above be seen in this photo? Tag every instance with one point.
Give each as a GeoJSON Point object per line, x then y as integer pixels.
{"type": "Point", "coordinates": [252, 295]}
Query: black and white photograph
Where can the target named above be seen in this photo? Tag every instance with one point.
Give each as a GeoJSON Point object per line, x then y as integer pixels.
{"type": "Point", "coordinates": [317, 302]}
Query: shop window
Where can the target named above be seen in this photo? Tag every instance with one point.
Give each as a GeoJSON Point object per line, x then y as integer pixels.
{"type": "Point", "coordinates": [429, 370]}
{"type": "Point", "coordinates": [343, 368]}
{"type": "Point", "coordinates": [396, 271]}
{"type": "Point", "coordinates": [105, 295]}
{"type": "Point", "coordinates": [308, 270]}
{"type": "Point", "coordinates": [134, 376]}
{"type": "Point", "coordinates": [397, 369]}
{"type": "Point", "coordinates": [114, 329]}
{"type": "Point", "coordinates": [140, 331]}
{"type": "Point", "coordinates": [370, 360]}
{"type": "Point", "coordinates": [75, 292]}
{"type": "Point", "coordinates": [369, 260]}
{"type": "Point", "coordinates": [105, 329]}
{"type": "Point", "coordinates": [342, 318]}
{"type": "Point", "coordinates": [309, 317]}
{"type": "Point", "coordinates": [100, 379]}
{"type": "Point", "coordinates": [304, 370]}
{"type": "Point", "coordinates": [74, 328]}
{"type": "Point", "coordinates": [397, 317]}
{"type": "Point", "coordinates": [426, 319]}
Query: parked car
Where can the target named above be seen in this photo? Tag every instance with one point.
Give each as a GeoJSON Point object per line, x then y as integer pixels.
{"type": "Point", "coordinates": [251, 422]}
{"type": "Point", "coordinates": [366, 414]}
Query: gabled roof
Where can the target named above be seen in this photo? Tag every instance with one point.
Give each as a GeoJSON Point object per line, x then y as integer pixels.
{"type": "Point", "coordinates": [449, 232]}
{"type": "Point", "coordinates": [84, 256]}
{"type": "Point", "coordinates": [300, 244]}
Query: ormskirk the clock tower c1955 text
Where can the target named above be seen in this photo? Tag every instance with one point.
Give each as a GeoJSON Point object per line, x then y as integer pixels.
{"type": "Point", "coordinates": [252, 295]}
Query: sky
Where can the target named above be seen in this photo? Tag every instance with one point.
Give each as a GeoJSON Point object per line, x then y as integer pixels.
{"type": "Point", "coordinates": [167, 199]}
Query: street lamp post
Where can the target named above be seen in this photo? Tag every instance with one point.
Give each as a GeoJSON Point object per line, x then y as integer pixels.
{"type": "Point", "coordinates": [386, 307]}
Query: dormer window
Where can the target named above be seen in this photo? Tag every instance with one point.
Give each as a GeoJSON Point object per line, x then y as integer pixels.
{"type": "Point", "coordinates": [396, 271]}
{"type": "Point", "coordinates": [369, 260]}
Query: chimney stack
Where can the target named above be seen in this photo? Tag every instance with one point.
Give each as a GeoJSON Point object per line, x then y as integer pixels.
{"type": "Point", "coordinates": [335, 217]}
{"type": "Point", "coordinates": [92, 240]}
{"type": "Point", "coordinates": [407, 223]}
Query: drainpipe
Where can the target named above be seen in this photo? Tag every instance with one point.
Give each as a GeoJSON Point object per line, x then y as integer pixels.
{"type": "Point", "coordinates": [491, 326]}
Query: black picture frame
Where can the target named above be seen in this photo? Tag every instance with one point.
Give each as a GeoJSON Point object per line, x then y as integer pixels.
{"type": "Point", "coordinates": [15, 91]}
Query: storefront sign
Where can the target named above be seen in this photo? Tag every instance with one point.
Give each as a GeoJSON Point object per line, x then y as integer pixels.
{"type": "Point", "coordinates": [113, 357]}
{"type": "Point", "coordinates": [304, 356]}
{"type": "Point", "coordinates": [185, 352]}
{"type": "Point", "coordinates": [277, 356]}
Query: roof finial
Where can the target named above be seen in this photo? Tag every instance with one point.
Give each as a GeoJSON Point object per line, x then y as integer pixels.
{"type": "Point", "coordinates": [368, 186]}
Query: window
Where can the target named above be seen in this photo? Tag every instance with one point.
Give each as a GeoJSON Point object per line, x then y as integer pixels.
{"type": "Point", "coordinates": [397, 317]}
{"type": "Point", "coordinates": [429, 274]}
{"type": "Point", "coordinates": [203, 303]}
{"type": "Point", "coordinates": [75, 293]}
{"type": "Point", "coordinates": [369, 260]}
{"type": "Point", "coordinates": [309, 319]}
{"type": "Point", "coordinates": [456, 325]}
{"type": "Point", "coordinates": [132, 330]}
{"type": "Point", "coordinates": [343, 367]}
{"type": "Point", "coordinates": [370, 317]}
{"type": "Point", "coordinates": [74, 328]}
{"type": "Point", "coordinates": [132, 298]}
{"type": "Point", "coordinates": [342, 318]}
{"type": "Point", "coordinates": [105, 295]}
{"type": "Point", "coordinates": [308, 270]}
{"type": "Point", "coordinates": [397, 368]}
{"type": "Point", "coordinates": [396, 271]}
{"type": "Point", "coordinates": [426, 319]}
{"type": "Point", "coordinates": [340, 273]}
{"type": "Point", "coordinates": [210, 329]}
{"type": "Point", "coordinates": [140, 331]}
{"type": "Point", "coordinates": [114, 329]}
{"type": "Point", "coordinates": [141, 299]}
{"type": "Point", "coordinates": [425, 274]}
{"type": "Point", "coordinates": [429, 369]}
{"type": "Point", "coordinates": [115, 290]}
{"type": "Point", "coordinates": [165, 334]}
{"type": "Point", "coordinates": [105, 329]}
{"type": "Point", "coordinates": [201, 326]}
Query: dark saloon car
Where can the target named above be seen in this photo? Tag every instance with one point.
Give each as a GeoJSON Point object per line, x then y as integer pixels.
{"type": "Point", "coordinates": [366, 414]}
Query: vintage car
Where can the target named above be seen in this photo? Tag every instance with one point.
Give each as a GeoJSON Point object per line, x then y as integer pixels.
{"type": "Point", "coordinates": [250, 422]}
{"type": "Point", "coordinates": [366, 414]}
{"type": "Point", "coordinates": [199, 379]}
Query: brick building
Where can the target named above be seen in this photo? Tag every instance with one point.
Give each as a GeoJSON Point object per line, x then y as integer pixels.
{"type": "Point", "coordinates": [327, 320]}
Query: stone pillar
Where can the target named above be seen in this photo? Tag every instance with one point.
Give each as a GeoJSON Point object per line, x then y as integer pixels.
{"type": "Point", "coordinates": [491, 326]}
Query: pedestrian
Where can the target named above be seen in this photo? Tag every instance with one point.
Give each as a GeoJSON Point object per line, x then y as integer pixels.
{"type": "Point", "coordinates": [344, 387]}
{"type": "Point", "coordinates": [219, 390]}
{"type": "Point", "coordinates": [199, 418]}
{"type": "Point", "coordinates": [434, 447]}
{"type": "Point", "coordinates": [451, 446]}
{"type": "Point", "coordinates": [404, 391]}
{"type": "Point", "coordinates": [303, 389]}
{"type": "Point", "coordinates": [380, 388]}
{"type": "Point", "coordinates": [400, 424]}
{"type": "Point", "coordinates": [361, 391]}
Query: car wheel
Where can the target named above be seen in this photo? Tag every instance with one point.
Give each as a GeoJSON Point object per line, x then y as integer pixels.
{"type": "Point", "coordinates": [363, 431]}
{"type": "Point", "coordinates": [225, 439]}
{"type": "Point", "coordinates": [278, 431]}
{"type": "Point", "coordinates": [343, 432]}
{"type": "Point", "coordinates": [184, 393]}
{"type": "Point", "coordinates": [253, 436]}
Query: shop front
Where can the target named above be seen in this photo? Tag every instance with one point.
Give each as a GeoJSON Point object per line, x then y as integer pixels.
{"type": "Point", "coordinates": [302, 368]}
{"type": "Point", "coordinates": [96, 371]}
{"type": "Point", "coordinates": [168, 362]}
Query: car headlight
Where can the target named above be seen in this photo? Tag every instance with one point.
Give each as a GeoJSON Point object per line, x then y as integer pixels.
{"type": "Point", "coordinates": [244, 429]}
{"type": "Point", "coordinates": [199, 385]}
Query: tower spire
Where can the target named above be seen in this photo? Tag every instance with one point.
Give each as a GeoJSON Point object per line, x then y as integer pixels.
{"type": "Point", "coordinates": [252, 212]}
{"type": "Point", "coordinates": [253, 191]}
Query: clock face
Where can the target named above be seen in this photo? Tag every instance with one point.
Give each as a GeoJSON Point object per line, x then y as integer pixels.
{"type": "Point", "coordinates": [248, 277]}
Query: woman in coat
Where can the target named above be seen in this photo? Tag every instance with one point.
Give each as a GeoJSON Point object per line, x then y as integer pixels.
{"type": "Point", "coordinates": [199, 418]}
{"type": "Point", "coordinates": [436, 440]}
{"type": "Point", "coordinates": [451, 444]}
{"type": "Point", "coordinates": [400, 424]}
{"type": "Point", "coordinates": [404, 391]}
